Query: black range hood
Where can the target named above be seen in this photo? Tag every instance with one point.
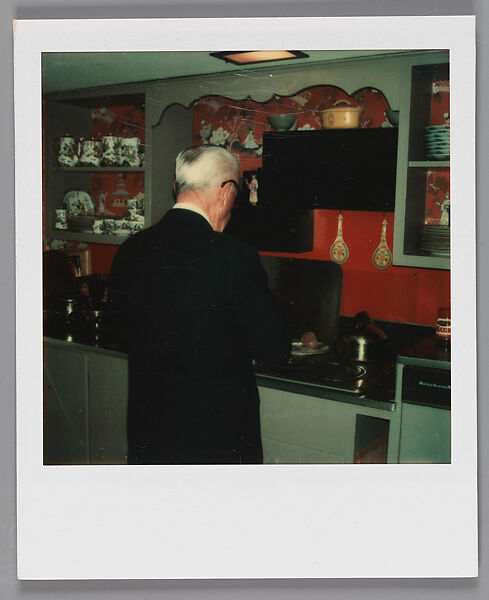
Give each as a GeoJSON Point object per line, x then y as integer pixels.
{"type": "Point", "coordinates": [273, 229]}
{"type": "Point", "coordinates": [308, 294]}
{"type": "Point", "coordinates": [343, 169]}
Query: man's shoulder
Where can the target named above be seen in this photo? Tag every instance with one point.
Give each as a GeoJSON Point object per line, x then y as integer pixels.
{"type": "Point", "coordinates": [239, 249]}
{"type": "Point", "coordinates": [137, 243]}
{"type": "Point", "coordinates": [135, 240]}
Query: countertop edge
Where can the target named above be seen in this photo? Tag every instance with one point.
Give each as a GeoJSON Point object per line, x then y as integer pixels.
{"type": "Point", "coordinates": [79, 346]}
{"type": "Point", "coordinates": [429, 363]}
{"type": "Point", "coordinates": [314, 390]}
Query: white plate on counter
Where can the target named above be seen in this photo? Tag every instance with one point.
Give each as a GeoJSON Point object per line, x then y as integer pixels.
{"type": "Point", "coordinates": [299, 349]}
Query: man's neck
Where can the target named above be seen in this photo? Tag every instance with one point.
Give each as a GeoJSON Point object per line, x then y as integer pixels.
{"type": "Point", "coordinates": [193, 207]}
{"type": "Point", "coordinates": [204, 205]}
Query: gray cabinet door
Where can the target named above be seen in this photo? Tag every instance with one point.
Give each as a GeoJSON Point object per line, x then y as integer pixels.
{"type": "Point", "coordinates": [425, 435]}
{"type": "Point", "coordinates": [65, 426]}
{"type": "Point", "coordinates": [108, 392]}
{"type": "Point", "coordinates": [304, 429]}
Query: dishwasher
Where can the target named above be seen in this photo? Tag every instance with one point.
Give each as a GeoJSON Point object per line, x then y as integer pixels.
{"type": "Point", "coordinates": [425, 429]}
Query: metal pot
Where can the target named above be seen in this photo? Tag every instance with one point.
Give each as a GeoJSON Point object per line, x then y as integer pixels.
{"type": "Point", "coordinates": [341, 115]}
{"type": "Point", "coordinates": [361, 348]}
{"type": "Point", "coordinates": [370, 344]}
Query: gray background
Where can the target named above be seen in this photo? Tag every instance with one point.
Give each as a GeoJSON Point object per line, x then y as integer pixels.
{"type": "Point", "coordinates": [10, 588]}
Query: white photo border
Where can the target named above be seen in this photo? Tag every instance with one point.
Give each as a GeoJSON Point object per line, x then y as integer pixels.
{"type": "Point", "coordinates": [262, 521]}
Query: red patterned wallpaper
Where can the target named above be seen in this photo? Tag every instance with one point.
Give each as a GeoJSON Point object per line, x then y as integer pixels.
{"type": "Point", "coordinates": [393, 294]}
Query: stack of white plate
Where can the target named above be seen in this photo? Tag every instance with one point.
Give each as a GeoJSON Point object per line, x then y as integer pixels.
{"type": "Point", "coordinates": [436, 240]}
{"type": "Point", "coordinates": [437, 139]}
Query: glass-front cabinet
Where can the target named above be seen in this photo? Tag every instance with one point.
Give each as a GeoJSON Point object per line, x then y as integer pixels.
{"type": "Point", "coordinates": [422, 219]}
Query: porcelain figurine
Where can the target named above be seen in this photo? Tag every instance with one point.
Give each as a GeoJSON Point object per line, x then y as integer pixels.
{"type": "Point", "coordinates": [445, 211]}
{"type": "Point", "coordinates": [101, 203]}
{"type": "Point", "coordinates": [253, 187]}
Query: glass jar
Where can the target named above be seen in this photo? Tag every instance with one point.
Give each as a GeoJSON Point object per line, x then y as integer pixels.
{"type": "Point", "coordinates": [443, 327]}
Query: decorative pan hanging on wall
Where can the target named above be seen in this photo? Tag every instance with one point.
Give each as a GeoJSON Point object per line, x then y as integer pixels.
{"type": "Point", "coordinates": [382, 256]}
{"type": "Point", "coordinates": [339, 250]}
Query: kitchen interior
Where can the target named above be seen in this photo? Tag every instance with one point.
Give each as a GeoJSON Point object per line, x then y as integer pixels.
{"type": "Point", "coordinates": [345, 164]}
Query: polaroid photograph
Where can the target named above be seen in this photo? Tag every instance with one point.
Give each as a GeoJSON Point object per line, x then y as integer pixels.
{"type": "Point", "coordinates": [246, 328]}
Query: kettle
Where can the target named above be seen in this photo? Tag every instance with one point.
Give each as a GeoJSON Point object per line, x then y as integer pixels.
{"type": "Point", "coordinates": [367, 343]}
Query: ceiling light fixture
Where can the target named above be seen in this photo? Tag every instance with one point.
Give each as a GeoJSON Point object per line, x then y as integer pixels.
{"type": "Point", "coordinates": [257, 56]}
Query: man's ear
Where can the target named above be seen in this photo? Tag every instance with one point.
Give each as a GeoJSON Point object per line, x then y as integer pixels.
{"type": "Point", "coordinates": [224, 194]}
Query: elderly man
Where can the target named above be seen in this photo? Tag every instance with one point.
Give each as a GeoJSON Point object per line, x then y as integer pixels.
{"type": "Point", "coordinates": [195, 305]}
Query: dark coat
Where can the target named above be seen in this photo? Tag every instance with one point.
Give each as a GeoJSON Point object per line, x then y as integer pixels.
{"type": "Point", "coordinates": [195, 308]}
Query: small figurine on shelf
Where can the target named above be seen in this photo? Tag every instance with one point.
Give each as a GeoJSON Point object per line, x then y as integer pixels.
{"type": "Point", "coordinates": [101, 203]}
{"type": "Point", "coordinates": [445, 211]}
{"type": "Point", "coordinates": [253, 187]}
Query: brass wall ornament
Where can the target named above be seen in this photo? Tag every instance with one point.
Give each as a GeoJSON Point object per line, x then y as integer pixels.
{"type": "Point", "coordinates": [382, 257]}
{"type": "Point", "coordinates": [339, 250]}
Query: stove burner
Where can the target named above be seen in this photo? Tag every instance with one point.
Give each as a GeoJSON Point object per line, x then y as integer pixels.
{"type": "Point", "coordinates": [337, 372]}
{"type": "Point", "coordinates": [329, 371]}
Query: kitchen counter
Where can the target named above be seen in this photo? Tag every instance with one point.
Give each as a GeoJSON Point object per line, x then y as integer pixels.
{"type": "Point", "coordinates": [426, 353]}
{"type": "Point", "coordinates": [383, 400]}
{"type": "Point", "coordinates": [101, 347]}
{"type": "Point", "coordinates": [82, 340]}
{"type": "Point", "coordinates": [380, 397]}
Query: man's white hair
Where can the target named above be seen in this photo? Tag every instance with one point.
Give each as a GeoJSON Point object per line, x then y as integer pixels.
{"type": "Point", "coordinates": [201, 167]}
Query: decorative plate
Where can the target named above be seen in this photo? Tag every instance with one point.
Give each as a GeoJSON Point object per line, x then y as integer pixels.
{"type": "Point", "coordinates": [437, 127]}
{"type": "Point", "coordinates": [437, 138]}
{"type": "Point", "coordinates": [436, 156]}
{"type": "Point", "coordinates": [78, 203]}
